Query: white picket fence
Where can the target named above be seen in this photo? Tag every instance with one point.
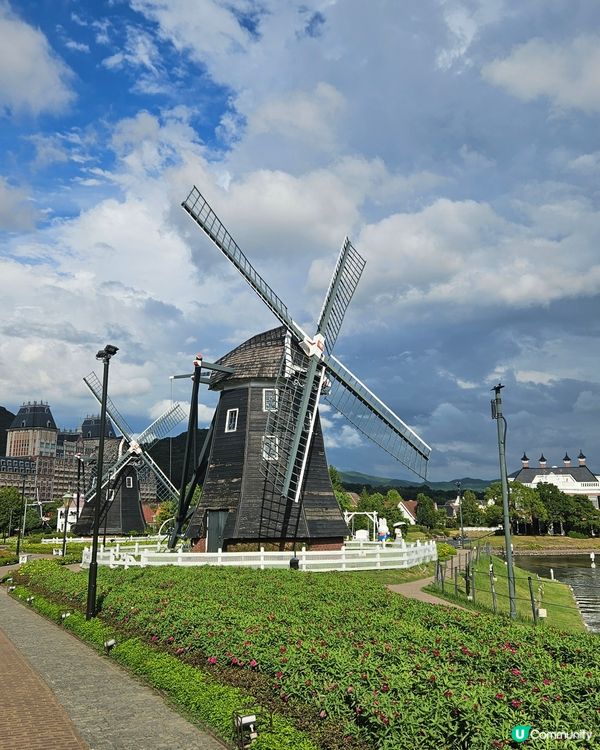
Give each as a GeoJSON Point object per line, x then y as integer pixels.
{"type": "Point", "coordinates": [345, 559]}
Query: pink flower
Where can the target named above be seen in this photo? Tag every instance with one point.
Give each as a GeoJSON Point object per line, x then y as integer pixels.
{"type": "Point", "coordinates": [154, 638]}
{"type": "Point", "coordinates": [546, 681]}
{"type": "Point", "coordinates": [212, 660]}
{"type": "Point", "coordinates": [170, 639]}
{"type": "Point", "coordinates": [500, 696]}
{"type": "Point", "coordinates": [516, 704]}
{"type": "Point", "coordinates": [253, 663]}
{"type": "Point", "coordinates": [234, 660]}
{"type": "Point", "coordinates": [516, 672]}
{"type": "Point", "coordinates": [279, 675]}
{"type": "Point", "coordinates": [322, 714]}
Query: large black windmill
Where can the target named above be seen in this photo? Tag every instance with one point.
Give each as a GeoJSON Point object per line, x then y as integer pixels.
{"type": "Point", "coordinates": [263, 466]}
{"type": "Point", "coordinates": [132, 466]}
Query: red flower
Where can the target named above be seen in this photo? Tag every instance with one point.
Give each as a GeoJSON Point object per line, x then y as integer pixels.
{"type": "Point", "coordinates": [385, 688]}
{"type": "Point", "coordinates": [436, 652]}
{"type": "Point", "coordinates": [279, 675]}
{"type": "Point", "coordinates": [448, 694]}
{"type": "Point", "coordinates": [349, 689]}
{"type": "Point", "coordinates": [546, 681]}
{"type": "Point", "coordinates": [253, 663]}
{"type": "Point", "coordinates": [516, 704]}
{"type": "Point", "coordinates": [212, 660]}
{"type": "Point", "coordinates": [500, 696]}
{"type": "Point", "coordinates": [516, 672]}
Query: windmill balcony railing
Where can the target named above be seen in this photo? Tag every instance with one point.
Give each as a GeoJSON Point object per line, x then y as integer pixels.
{"type": "Point", "coordinates": [349, 557]}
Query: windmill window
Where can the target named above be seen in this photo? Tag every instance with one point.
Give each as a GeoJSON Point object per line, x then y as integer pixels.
{"type": "Point", "coordinates": [270, 399]}
{"type": "Point", "coordinates": [231, 420]}
{"type": "Point", "coordinates": [270, 447]}
{"type": "Point", "coordinates": [129, 482]}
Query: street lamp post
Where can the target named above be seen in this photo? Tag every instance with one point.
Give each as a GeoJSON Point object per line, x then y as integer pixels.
{"type": "Point", "coordinates": [67, 497]}
{"type": "Point", "coordinates": [23, 514]}
{"type": "Point", "coordinates": [462, 530]}
{"type": "Point", "coordinates": [105, 355]}
{"type": "Point", "coordinates": [79, 461]}
{"type": "Point", "coordinates": [501, 424]}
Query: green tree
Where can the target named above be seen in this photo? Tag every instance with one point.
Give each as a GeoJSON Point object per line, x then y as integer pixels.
{"type": "Point", "coordinates": [10, 506]}
{"type": "Point", "coordinates": [471, 512]}
{"type": "Point", "coordinates": [426, 511]}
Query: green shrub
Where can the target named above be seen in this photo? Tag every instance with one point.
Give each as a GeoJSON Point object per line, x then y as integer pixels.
{"type": "Point", "coordinates": [577, 535]}
{"type": "Point", "coordinates": [444, 550]}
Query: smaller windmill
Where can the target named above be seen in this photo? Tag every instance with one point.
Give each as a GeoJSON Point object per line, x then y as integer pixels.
{"type": "Point", "coordinates": [130, 468]}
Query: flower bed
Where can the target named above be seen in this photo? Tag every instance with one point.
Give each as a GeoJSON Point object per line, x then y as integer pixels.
{"type": "Point", "coordinates": [380, 670]}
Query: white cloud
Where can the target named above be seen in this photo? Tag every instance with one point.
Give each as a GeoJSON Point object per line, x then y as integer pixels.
{"type": "Point", "coordinates": [32, 78]}
{"type": "Point", "coordinates": [301, 115]}
{"type": "Point", "coordinates": [77, 46]}
{"type": "Point", "coordinates": [16, 210]}
{"type": "Point", "coordinates": [565, 73]}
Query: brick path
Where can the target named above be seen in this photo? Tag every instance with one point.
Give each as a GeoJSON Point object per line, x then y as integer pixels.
{"type": "Point", "coordinates": [31, 718]}
{"type": "Point", "coordinates": [55, 689]}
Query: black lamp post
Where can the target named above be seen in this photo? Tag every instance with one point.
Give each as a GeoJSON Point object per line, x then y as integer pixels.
{"type": "Point", "coordinates": [67, 497]}
{"type": "Point", "coordinates": [105, 355]}
{"type": "Point", "coordinates": [462, 530]}
{"type": "Point", "coordinates": [501, 423]}
{"type": "Point", "coordinates": [23, 514]}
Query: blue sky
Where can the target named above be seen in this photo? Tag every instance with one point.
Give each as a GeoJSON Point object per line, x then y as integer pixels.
{"type": "Point", "coordinates": [455, 141]}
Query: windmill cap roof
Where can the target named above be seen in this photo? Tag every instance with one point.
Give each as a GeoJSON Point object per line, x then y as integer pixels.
{"type": "Point", "coordinates": [258, 357]}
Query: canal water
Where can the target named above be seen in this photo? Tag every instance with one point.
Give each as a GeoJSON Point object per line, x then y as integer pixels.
{"type": "Point", "coordinates": [576, 570]}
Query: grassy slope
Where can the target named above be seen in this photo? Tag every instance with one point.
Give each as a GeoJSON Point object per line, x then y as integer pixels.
{"type": "Point", "coordinates": [556, 597]}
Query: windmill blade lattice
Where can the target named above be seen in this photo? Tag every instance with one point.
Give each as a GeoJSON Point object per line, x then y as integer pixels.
{"type": "Point", "coordinates": [278, 451]}
{"type": "Point", "coordinates": [95, 386]}
{"type": "Point", "coordinates": [373, 418]}
{"type": "Point", "coordinates": [199, 209]}
{"type": "Point", "coordinates": [161, 427]}
{"type": "Point", "coordinates": [343, 284]}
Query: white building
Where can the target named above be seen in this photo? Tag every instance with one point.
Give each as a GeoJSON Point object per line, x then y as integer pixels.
{"type": "Point", "coordinates": [71, 518]}
{"type": "Point", "coordinates": [572, 480]}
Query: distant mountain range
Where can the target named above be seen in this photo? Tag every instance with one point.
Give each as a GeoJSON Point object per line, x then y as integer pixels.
{"type": "Point", "coordinates": [365, 480]}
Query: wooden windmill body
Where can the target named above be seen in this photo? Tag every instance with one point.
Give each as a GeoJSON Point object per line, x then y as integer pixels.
{"type": "Point", "coordinates": [238, 503]}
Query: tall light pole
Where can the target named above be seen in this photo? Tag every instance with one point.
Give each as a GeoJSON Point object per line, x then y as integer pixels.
{"type": "Point", "coordinates": [105, 355]}
{"type": "Point", "coordinates": [501, 424]}
{"type": "Point", "coordinates": [23, 515]}
{"type": "Point", "coordinates": [462, 530]}
{"type": "Point", "coordinates": [67, 498]}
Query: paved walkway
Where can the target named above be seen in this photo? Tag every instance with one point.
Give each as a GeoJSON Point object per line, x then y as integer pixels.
{"type": "Point", "coordinates": [414, 589]}
{"type": "Point", "coordinates": [56, 693]}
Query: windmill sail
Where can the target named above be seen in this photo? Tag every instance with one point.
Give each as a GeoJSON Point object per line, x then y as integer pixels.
{"type": "Point", "coordinates": [95, 386]}
{"type": "Point", "coordinates": [374, 419]}
{"type": "Point", "coordinates": [199, 209]}
{"type": "Point", "coordinates": [347, 394]}
{"type": "Point", "coordinates": [343, 284]}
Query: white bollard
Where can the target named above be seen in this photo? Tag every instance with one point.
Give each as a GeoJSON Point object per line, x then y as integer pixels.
{"type": "Point", "coordinates": [551, 574]}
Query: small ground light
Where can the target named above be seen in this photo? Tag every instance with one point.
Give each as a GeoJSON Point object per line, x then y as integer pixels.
{"type": "Point", "coordinates": [109, 645]}
{"type": "Point", "coordinates": [64, 616]}
{"type": "Point", "coordinates": [244, 729]}
{"type": "Point", "coordinates": [29, 599]}
{"type": "Point", "coordinates": [11, 588]}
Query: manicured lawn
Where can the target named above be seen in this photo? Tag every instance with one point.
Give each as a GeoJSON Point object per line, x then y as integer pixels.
{"type": "Point", "coordinates": [352, 664]}
{"type": "Point", "coordinates": [551, 543]}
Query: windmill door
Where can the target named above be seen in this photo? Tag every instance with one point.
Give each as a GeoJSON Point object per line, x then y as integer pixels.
{"type": "Point", "coordinates": [215, 525]}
